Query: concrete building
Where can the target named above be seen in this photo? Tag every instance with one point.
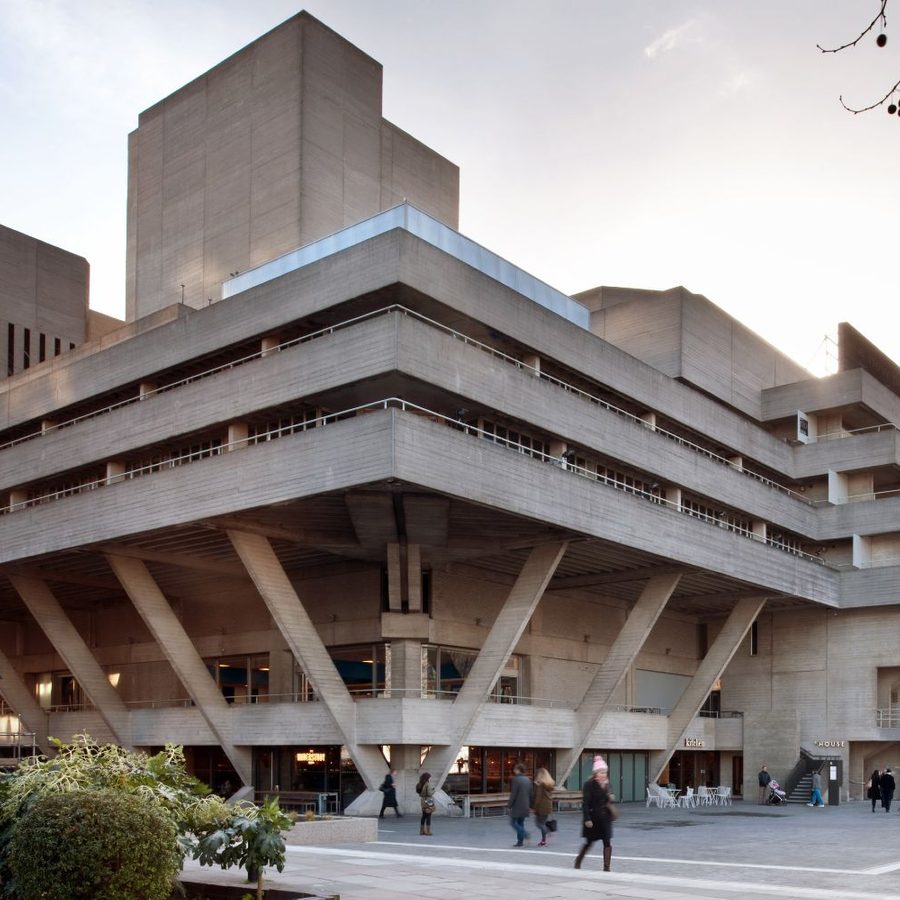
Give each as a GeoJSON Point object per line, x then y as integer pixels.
{"type": "Point", "coordinates": [370, 490]}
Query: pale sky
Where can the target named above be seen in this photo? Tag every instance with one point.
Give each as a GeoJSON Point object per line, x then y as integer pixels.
{"type": "Point", "coordinates": [644, 143]}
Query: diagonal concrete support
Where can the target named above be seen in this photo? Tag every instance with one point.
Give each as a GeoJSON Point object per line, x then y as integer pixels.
{"type": "Point", "coordinates": [711, 667]}
{"type": "Point", "coordinates": [621, 656]}
{"type": "Point", "coordinates": [15, 692]}
{"type": "Point", "coordinates": [181, 653]}
{"type": "Point", "coordinates": [501, 641]}
{"type": "Point", "coordinates": [76, 654]}
{"type": "Point", "coordinates": [292, 620]}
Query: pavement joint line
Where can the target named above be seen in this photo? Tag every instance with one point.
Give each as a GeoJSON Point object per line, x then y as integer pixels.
{"type": "Point", "coordinates": [878, 870]}
{"type": "Point", "coordinates": [704, 884]}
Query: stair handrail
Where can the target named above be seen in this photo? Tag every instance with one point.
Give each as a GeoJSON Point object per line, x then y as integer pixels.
{"type": "Point", "coordinates": [806, 764]}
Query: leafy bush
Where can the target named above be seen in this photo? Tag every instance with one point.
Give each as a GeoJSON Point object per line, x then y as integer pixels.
{"type": "Point", "coordinates": [251, 839]}
{"type": "Point", "coordinates": [82, 845]}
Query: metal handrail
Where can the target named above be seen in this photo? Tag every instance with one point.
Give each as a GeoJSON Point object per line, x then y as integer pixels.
{"type": "Point", "coordinates": [498, 354]}
{"type": "Point", "coordinates": [404, 405]}
{"type": "Point", "coordinates": [853, 432]}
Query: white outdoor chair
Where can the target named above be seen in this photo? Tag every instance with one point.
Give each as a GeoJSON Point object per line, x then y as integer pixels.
{"type": "Point", "coordinates": [723, 795]}
{"type": "Point", "coordinates": [704, 798]}
{"type": "Point", "coordinates": [661, 797]}
{"type": "Point", "coordinates": [652, 799]}
{"type": "Point", "coordinates": [687, 800]}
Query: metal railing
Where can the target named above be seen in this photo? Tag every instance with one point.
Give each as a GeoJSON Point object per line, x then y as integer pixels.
{"type": "Point", "coordinates": [888, 718]}
{"type": "Point", "coordinates": [853, 432]}
{"type": "Point", "coordinates": [457, 335]}
{"type": "Point", "coordinates": [434, 415]}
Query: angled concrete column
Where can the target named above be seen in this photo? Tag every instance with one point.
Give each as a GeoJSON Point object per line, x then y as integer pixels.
{"type": "Point", "coordinates": [499, 644]}
{"type": "Point", "coordinates": [181, 653]}
{"type": "Point", "coordinates": [609, 676]}
{"type": "Point", "coordinates": [76, 654]}
{"type": "Point", "coordinates": [300, 633]}
{"type": "Point", "coordinates": [711, 668]}
{"type": "Point", "coordinates": [15, 692]}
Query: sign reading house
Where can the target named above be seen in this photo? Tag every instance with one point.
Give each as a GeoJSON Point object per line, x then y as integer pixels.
{"type": "Point", "coordinates": [831, 745]}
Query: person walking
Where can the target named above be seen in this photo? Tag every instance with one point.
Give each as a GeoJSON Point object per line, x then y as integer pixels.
{"type": "Point", "coordinates": [519, 803]}
{"type": "Point", "coordinates": [816, 799]}
{"type": "Point", "coordinates": [888, 786]}
{"type": "Point", "coordinates": [873, 791]}
{"type": "Point", "coordinates": [764, 778]}
{"type": "Point", "coordinates": [596, 813]}
{"type": "Point", "coordinates": [425, 790]}
{"type": "Point", "coordinates": [389, 800]}
{"type": "Point", "coordinates": [542, 803]}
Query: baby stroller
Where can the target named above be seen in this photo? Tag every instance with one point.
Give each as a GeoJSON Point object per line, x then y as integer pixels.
{"type": "Point", "coordinates": [776, 795]}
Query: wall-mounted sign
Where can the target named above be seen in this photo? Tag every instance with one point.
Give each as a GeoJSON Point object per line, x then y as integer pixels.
{"type": "Point", "coordinates": [310, 757]}
{"type": "Point", "coordinates": [831, 744]}
{"type": "Point", "coordinates": [694, 742]}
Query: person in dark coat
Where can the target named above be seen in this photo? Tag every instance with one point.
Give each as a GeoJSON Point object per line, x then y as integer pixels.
{"type": "Point", "coordinates": [873, 792]}
{"type": "Point", "coordinates": [519, 803]}
{"type": "Point", "coordinates": [389, 789]}
{"type": "Point", "coordinates": [596, 814]}
{"type": "Point", "coordinates": [888, 786]}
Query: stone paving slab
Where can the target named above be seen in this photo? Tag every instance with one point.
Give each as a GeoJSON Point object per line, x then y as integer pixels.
{"type": "Point", "coordinates": [742, 851]}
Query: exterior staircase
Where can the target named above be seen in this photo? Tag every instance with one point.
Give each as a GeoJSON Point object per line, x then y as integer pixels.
{"type": "Point", "coordinates": [802, 790]}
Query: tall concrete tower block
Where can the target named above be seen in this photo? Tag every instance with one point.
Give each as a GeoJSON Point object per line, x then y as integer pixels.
{"type": "Point", "coordinates": [280, 144]}
{"type": "Point", "coordinates": [43, 301]}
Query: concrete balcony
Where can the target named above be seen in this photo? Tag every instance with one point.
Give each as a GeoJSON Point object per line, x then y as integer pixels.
{"type": "Point", "coordinates": [401, 721]}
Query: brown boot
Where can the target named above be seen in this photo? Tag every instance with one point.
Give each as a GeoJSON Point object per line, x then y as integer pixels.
{"type": "Point", "coordinates": [607, 857]}
{"type": "Point", "coordinates": [580, 856]}
{"type": "Point", "coordinates": [422, 830]}
{"type": "Point", "coordinates": [428, 830]}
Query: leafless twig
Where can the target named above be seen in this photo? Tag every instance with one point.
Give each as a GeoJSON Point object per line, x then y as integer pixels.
{"type": "Point", "coordinates": [881, 15]}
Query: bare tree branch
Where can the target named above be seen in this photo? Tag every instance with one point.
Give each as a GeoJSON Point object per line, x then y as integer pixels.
{"type": "Point", "coordinates": [873, 106]}
{"type": "Point", "coordinates": [881, 15]}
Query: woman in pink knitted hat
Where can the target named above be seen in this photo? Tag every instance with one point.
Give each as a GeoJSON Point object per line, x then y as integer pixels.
{"type": "Point", "coordinates": [596, 813]}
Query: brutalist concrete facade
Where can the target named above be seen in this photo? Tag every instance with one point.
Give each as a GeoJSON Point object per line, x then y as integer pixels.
{"type": "Point", "coordinates": [392, 492]}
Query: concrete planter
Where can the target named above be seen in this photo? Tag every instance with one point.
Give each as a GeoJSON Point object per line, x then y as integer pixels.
{"type": "Point", "coordinates": [338, 830]}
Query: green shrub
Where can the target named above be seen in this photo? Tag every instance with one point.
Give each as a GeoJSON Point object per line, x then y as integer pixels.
{"type": "Point", "coordinates": [84, 845]}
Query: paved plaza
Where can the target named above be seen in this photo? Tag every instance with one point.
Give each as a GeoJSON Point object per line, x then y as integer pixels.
{"type": "Point", "coordinates": [714, 852]}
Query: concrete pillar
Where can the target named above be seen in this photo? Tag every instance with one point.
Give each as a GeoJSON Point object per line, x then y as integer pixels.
{"type": "Point", "coordinates": [302, 637]}
{"type": "Point", "coordinates": [179, 650]}
{"type": "Point", "coordinates": [146, 388]}
{"type": "Point", "coordinates": [414, 577]}
{"type": "Point", "coordinates": [406, 668]}
{"type": "Point", "coordinates": [862, 551]}
{"type": "Point", "coordinates": [500, 642]}
{"type": "Point", "coordinates": [18, 498]}
{"type": "Point", "coordinates": [708, 672]}
{"type": "Point", "coordinates": [47, 425]}
{"type": "Point", "coordinates": [405, 759]}
{"type": "Point", "coordinates": [533, 361]}
{"type": "Point", "coordinates": [76, 654]}
{"type": "Point", "coordinates": [16, 693]}
{"type": "Point", "coordinates": [650, 418]}
{"type": "Point", "coordinates": [269, 344]}
{"type": "Point", "coordinates": [395, 577]}
{"type": "Point", "coordinates": [238, 432]}
{"type": "Point", "coordinates": [609, 676]}
{"type": "Point", "coordinates": [115, 471]}
{"type": "Point", "coordinates": [281, 666]}
{"type": "Point", "coordinates": [838, 490]}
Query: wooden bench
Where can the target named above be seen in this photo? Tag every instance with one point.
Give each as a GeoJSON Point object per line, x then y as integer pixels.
{"type": "Point", "coordinates": [484, 802]}
{"type": "Point", "coordinates": [567, 800]}
{"type": "Point", "coordinates": [296, 801]}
